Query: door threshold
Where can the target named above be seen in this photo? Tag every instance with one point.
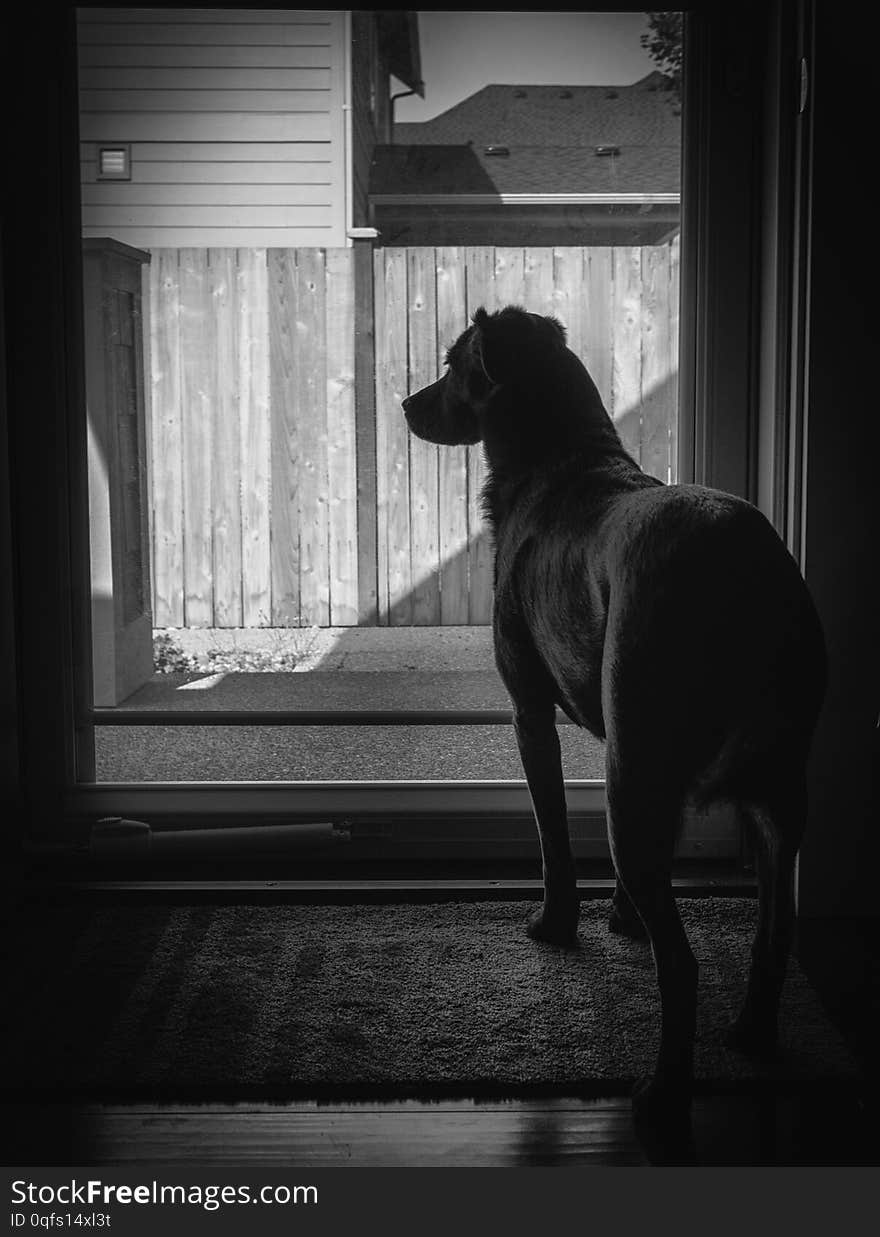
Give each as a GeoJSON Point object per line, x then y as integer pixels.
{"type": "Point", "coordinates": [726, 885]}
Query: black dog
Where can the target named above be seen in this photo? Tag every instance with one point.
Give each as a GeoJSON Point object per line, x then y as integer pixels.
{"type": "Point", "coordinates": [669, 620]}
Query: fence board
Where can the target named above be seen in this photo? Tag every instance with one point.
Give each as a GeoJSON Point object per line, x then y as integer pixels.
{"type": "Point", "coordinates": [391, 373]}
{"type": "Point", "coordinates": [256, 436]}
{"type": "Point", "coordinates": [285, 421]}
{"type": "Point", "coordinates": [509, 275]}
{"type": "Point", "coordinates": [453, 461]}
{"type": "Point", "coordinates": [655, 361]}
{"type": "Point", "coordinates": [598, 345]}
{"type": "Point", "coordinates": [310, 413]}
{"type": "Point", "coordinates": [538, 281]}
{"type": "Point", "coordinates": [366, 432]}
{"type": "Point", "coordinates": [166, 471]}
{"type": "Point", "coordinates": [226, 456]}
{"type": "Point", "coordinates": [569, 302]}
{"type": "Point", "coordinates": [197, 391]}
{"type": "Point", "coordinates": [341, 439]}
{"type": "Point", "coordinates": [423, 462]}
{"type": "Point", "coordinates": [481, 290]}
{"type": "Point", "coordinates": [626, 389]}
{"type": "Point", "coordinates": [383, 397]}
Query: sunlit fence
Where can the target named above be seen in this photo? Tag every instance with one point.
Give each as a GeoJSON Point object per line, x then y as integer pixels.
{"type": "Point", "coordinates": [259, 511]}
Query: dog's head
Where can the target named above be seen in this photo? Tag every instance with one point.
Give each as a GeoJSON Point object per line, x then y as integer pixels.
{"type": "Point", "coordinates": [510, 348]}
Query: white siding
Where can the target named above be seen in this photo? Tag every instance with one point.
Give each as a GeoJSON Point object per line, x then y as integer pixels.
{"type": "Point", "coordinates": [235, 121]}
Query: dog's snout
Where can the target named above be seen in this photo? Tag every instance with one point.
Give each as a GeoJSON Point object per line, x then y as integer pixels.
{"type": "Point", "coordinates": [406, 402]}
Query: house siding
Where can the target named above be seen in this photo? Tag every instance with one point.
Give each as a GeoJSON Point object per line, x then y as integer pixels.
{"type": "Point", "coordinates": [235, 120]}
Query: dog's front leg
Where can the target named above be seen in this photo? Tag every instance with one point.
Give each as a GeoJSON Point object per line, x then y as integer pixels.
{"type": "Point", "coordinates": [538, 741]}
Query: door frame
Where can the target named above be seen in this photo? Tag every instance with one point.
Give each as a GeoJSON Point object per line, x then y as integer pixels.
{"type": "Point", "coordinates": [719, 414]}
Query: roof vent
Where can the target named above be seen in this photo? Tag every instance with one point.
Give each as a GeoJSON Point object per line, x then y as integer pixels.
{"type": "Point", "coordinates": [520, 94]}
{"type": "Point", "coordinates": [612, 151]}
{"type": "Point", "coordinates": [565, 94]}
{"type": "Point", "coordinates": [502, 151]}
{"type": "Point", "coordinates": [610, 94]}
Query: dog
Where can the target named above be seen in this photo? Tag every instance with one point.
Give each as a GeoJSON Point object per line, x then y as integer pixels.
{"type": "Point", "coordinates": [668, 620]}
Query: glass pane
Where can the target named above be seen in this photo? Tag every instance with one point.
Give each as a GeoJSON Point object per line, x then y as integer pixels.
{"type": "Point", "coordinates": [264, 284]}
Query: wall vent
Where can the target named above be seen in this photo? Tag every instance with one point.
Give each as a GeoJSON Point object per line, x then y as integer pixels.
{"type": "Point", "coordinates": [114, 162]}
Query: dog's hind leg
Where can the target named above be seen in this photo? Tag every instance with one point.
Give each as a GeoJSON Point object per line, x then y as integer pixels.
{"type": "Point", "coordinates": [776, 827]}
{"type": "Point", "coordinates": [643, 813]}
{"type": "Point", "coordinates": [624, 919]}
{"type": "Point", "coordinates": [538, 742]}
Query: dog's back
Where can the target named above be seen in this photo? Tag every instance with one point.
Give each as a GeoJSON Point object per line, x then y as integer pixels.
{"type": "Point", "coordinates": [675, 609]}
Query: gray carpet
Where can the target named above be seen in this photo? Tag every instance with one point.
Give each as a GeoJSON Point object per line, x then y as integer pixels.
{"type": "Point", "coordinates": [282, 1000]}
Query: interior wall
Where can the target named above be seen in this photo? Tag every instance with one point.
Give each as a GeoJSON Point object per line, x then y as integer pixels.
{"type": "Point", "coordinates": [838, 865]}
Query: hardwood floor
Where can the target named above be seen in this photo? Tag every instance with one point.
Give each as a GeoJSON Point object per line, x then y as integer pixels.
{"type": "Point", "coordinates": [557, 1132]}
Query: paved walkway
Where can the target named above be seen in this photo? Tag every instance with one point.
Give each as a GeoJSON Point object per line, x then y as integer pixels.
{"type": "Point", "coordinates": [364, 668]}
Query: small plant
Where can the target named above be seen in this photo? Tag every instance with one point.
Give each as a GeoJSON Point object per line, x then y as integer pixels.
{"type": "Point", "coordinates": [169, 657]}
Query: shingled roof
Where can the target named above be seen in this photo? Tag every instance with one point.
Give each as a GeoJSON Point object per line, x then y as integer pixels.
{"type": "Point", "coordinates": [550, 133]}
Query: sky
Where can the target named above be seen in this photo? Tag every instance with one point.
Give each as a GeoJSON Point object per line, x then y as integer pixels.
{"type": "Point", "coordinates": [463, 51]}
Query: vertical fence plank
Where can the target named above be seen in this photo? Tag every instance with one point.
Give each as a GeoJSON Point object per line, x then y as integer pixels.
{"type": "Point", "coordinates": [453, 511]}
{"type": "Point", "coordinates": [285, 420]}
{"type": "Point", "coordinates": [341, 439]}
{"type": "Point", "coordinates": [509, 276]}
{"type": "Point", "coordinates": [391, 370]}
{"type": "Point", "coordinates": [226, 480]}
{"type": "Point", "coordinates": [310, 412]}
{"type": "Point", "coordinates": [423, 461]}
{"type": "Point", "coordinates": [366, 432]}
{"type": "Point", "coordinates": [627, 335]}
{"type": "Point", "coordinates": [674, 320]}
{"type": "Point", "coordinates": [256, 436]}
{"type": "Point", "coordinates": [657, 407]}
{"type": "Point", "coordinates": [167, 442]}
{"type": "Point", "coordinates": [598, 353]}
{"type": "Point", "coordinates": [480, 290]}
{"type": "Point", "coordinates": [538, 280]}
{"type": "Point", "coordinates": [569, 295]}
{"type": "Point", "coordinates": [381, 384]}
{"type": "Point", "coordinates": [198, 398]}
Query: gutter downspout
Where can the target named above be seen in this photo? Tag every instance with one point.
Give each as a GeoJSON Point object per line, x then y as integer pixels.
{"type": "Point", "coordinates": [401, 94]}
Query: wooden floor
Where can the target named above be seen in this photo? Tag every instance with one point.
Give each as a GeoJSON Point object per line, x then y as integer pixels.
{"type": "Point", "coordinates": [558, 1132]}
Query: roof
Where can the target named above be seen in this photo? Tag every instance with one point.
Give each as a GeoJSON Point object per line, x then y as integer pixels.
{"type": "Point", "coordinates": [551, 134]}
{"type": "Point", "coordinates": [399, 36]}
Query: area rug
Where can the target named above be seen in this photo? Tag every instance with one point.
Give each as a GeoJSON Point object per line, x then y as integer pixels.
{"type": "Point", "coordinates": [290, 1000]}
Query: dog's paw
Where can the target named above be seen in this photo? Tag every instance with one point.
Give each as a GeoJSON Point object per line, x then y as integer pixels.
{"type": "Point", "coordinates": [554, 927]}
{"type": "Point", "coordinates": [627, 924]}
{"type": "Point", "coordinates": [754, 1039]}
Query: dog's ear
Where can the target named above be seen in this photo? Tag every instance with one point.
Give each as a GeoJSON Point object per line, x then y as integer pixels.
{"type": "Point", "coordinates": [494, 343]}
{"type": "Point", "coordinates": [508, 344]}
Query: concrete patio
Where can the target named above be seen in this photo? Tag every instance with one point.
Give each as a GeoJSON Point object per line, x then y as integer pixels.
{"type": "Point", "coordinates": [336, 668]}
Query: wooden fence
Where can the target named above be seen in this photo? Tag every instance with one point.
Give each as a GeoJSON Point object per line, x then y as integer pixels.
{"type": "Point", "coordinates": [254, 421]}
